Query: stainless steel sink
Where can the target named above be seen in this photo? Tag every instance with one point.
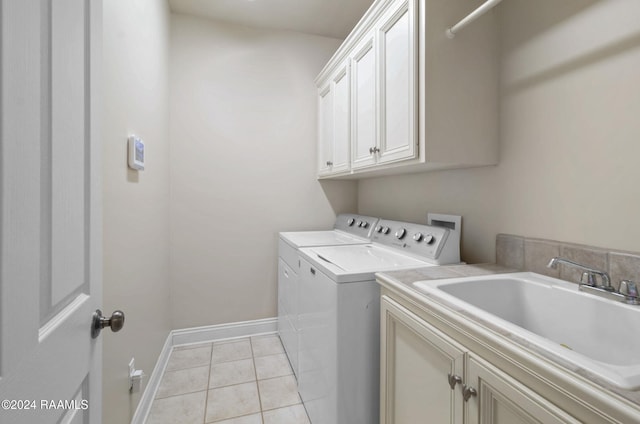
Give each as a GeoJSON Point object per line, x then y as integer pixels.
{"type": "Point", "coordinates": [600, 335]}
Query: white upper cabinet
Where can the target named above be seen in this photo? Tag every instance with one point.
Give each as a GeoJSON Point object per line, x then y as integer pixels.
{"type": "Point", "coordinates": [416, 100]}
{"type": "Point", "coordinates": [325, 129]}
{"type": "Point", "coordinates": [334, 124]}
{"type": "Point", "coordinates": [398, 97]}
{"type": "Point", "coordinates": [364, 122]}
{"type": "Point", "coordinates": [341, 120]}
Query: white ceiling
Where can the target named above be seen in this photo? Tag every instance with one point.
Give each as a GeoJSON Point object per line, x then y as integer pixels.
{"type": "Point", "coordinates": [330, 18]}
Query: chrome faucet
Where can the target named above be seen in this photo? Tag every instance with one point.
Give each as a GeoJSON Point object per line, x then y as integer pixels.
{"type": "Point", "coordinates": [588, 276]}
{"type": "Point", "coordinates": [628, 292]}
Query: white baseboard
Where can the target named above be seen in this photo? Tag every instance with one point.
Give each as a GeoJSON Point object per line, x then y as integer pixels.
{"type": "Point", "coordinates": [196, 335]}
{"type": "Point", "coordinates": [144, 406]}
{"type": "Point", "coordinates": [224, 331]}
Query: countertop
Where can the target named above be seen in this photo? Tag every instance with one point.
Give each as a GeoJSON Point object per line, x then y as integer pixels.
{"type": "Point", "coordinates": [402, 281]}
{"type": "Point", "coordinates": [408, 277]}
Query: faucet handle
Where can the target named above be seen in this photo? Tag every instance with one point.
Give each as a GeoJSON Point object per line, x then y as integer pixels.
{"type": "Point", "coordinates": [588, 278]}
{"type": "Point", "coordinates": [630, 290]}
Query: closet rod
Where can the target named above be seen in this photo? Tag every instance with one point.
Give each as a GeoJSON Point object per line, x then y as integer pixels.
{"type": "Point", "coordinates": [451, 32]}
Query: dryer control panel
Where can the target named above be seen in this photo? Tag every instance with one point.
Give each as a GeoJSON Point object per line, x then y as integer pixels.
{"type": "Point", "coordinates": [358, 225]}
{"type": "Point", "coordinates": [420, 240]}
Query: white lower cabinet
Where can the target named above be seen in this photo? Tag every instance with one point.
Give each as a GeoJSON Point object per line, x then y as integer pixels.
{"type": "Point", "coordinates": [500, 399]}
{"type": "Point", "coordinates": [415, 364]}
{"type": "Point", "coordinates": [428, 377]}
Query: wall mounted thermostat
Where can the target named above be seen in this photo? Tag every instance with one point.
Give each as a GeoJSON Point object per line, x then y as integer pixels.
{"type": "Point", "coordinates": [136, 153]}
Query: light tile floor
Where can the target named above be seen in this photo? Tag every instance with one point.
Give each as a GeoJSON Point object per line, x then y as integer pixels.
{"type": "Point", "coordinates": [240, 381]}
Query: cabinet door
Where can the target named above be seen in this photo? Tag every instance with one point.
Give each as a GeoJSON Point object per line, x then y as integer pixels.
{"type": "Point", "coordinates": [341, 120]}
{"type": "Point", "coordinates": [397, 36]}
{"type": "Point", "coordinates": [502, 400]}
{"type": "Point", "coordinates": [416, 362]}
{"type": "Point", "coordinates": [325, 129]}
{"type": "Point", "coordinates": [363, 94]}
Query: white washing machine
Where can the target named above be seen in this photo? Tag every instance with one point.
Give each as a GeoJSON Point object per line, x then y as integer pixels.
{"type": "Point", "coordinates": [349, 229]}
{"type": "Point", "coordinates": [339, 315]}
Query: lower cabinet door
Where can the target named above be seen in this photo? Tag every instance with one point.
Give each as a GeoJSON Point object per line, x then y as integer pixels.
{"type": "Point", "coordinates": [421, 370]}
{"type": "Point", "coordinates": [500, 399]}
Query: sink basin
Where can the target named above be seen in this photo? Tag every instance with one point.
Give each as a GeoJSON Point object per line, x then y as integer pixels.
{"type": "Point", "coordinates": [599, 335]}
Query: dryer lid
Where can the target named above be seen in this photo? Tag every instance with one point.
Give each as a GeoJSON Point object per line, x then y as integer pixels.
{"type": "Point", "coordinates": [321, 238]}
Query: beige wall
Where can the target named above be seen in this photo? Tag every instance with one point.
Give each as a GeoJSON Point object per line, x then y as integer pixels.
{"type": "Point", "coordinates": [570, 136]}
{"type": "Point", "coordinates": [243, 142]}
{"type": "Point", "coordinates": [136, 208]}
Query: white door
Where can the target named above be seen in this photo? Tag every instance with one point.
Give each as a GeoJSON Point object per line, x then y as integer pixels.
{"type": "Point", "coordinates": [50, 222]}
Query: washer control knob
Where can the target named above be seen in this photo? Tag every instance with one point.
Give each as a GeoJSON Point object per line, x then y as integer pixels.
{"type": "Point", "coordinates": [378, 228]}
{"type": "Point", "coordinates": [350, 222]}
{"type": "Point", "coordinates": [417, 236]}
{"type": "Point", "coordinates": [400, 233]}
{"type": "Point", "coordinates": [364, 224]}
{"type": "Point", "coordinates": [385, 230]}
{"type": "Point", "coordinates": [359, 223]}
{"type": "Point", "coordinates": [429, 238]}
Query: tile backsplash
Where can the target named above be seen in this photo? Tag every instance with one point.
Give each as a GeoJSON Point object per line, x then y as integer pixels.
{"type": "Point", "coordinates": [531, 254]}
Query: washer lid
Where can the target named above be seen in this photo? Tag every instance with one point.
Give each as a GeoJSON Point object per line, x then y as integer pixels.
{"type": "Point", "coordinates": [365, 258]}
{"type": "Point", "coordinates": [321, 238]}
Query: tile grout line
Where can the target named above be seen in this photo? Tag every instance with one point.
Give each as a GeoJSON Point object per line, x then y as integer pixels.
{"type": "Point", "coordinates": [279, 377]}
{"type": "Point", "coordinates": [253, 359]}
{"type": "Point", "coordinates": [189, 347]}
{"type": "Point", "coordinates": [255, 381]}
{"type": "Point", "coordinates": [255, 371]}
{"type": "Point", "coordinates": [206, 398]}
{"type": "Point", "coordinates": [184, 369]}
{"type": "Point", "coordinates": [179, 394]}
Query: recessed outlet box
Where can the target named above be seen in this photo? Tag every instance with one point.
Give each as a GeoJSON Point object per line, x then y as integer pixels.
{"type": "Point", "coordinates": [454, 224]}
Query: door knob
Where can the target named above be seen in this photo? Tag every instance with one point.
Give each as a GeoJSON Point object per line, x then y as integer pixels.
{"type": "Point", "coordinates": [98, 322]}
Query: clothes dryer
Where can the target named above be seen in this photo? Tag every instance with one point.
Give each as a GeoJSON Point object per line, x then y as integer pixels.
{"type": "Point", "coordinates": [349, 229]}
